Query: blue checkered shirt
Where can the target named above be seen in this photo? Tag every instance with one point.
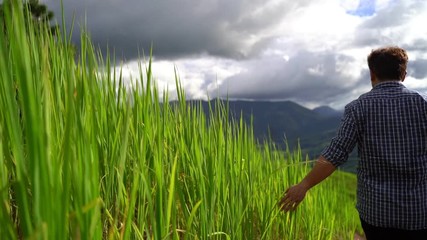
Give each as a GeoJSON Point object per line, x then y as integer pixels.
{"type": "Point", "coordinates": [389, 126]}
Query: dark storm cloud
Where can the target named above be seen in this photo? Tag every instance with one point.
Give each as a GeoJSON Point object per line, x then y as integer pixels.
{"type": "Point", "coordinates": [175, 28]}
{"type": "Point", "coordinates": [307, 77]}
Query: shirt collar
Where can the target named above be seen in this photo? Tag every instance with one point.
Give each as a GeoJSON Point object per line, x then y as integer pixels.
{"type": "Point", "coordinates": [388, 84]}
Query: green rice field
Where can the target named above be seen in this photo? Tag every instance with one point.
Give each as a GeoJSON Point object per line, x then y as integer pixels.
{"type": "Point", "coordinates": [84, 157]}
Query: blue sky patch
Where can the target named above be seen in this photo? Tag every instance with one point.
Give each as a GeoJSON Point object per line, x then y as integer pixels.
{"type": "Point", "coordinates": [365, 8]}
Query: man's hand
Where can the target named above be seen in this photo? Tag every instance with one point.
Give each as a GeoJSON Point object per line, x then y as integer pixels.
{"type": "Point", "coordinates": [295, 194]}
{"type": "Point", "coordinates": [293, 197]}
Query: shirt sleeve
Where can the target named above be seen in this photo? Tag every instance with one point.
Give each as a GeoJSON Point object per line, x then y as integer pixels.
{"type": "Point", "coordinates": [343, 143]}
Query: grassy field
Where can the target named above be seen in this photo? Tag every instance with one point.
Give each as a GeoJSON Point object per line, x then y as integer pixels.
{"type": "Point", "coordinates": [82, 157]}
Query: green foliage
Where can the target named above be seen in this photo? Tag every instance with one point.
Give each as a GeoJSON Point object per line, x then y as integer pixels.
{"type": "Point", "coordinates": [82, 157]}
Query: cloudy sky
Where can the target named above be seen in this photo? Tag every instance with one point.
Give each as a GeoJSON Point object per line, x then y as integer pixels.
{"type": "Point", "coordinates": [309, 51]}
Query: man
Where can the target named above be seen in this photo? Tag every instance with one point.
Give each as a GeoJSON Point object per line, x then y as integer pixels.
{"type": "Point", "coordinates": [389, 126]}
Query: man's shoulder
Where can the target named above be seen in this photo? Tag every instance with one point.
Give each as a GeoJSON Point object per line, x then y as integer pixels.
{"type": "Point", "coordinates": [398, 91]}
{"type": "Point", "coordinates": [368, 98]}
{"type": "Point", "coordinates": [419, 97]}
{"type": "Point", "coordinates": [358, 102]}
{"type": "Point", "coordinates": [417, 93]}
{"type": "Point", "coordinates": [352, 105]}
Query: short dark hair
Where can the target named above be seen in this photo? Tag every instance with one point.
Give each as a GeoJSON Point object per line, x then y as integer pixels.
{"type": "Point", "coordinates": [388, 63]}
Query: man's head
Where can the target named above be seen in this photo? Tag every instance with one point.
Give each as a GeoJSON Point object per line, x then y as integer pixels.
{"type": "Point", "coordinates": [388, 63]}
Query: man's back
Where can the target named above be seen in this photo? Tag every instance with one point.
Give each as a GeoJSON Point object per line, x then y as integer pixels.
{"type": "Point", "coordinates": [391, 135]}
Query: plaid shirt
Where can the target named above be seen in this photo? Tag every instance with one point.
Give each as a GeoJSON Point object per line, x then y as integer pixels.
{"type": "Point", "coordinates": [389, 126]}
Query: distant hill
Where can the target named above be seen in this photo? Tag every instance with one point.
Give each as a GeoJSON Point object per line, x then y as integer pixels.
{"type": "Point", "coordinates": [327, 111]}
{"type": "Point", "coordinates": [288, 122]}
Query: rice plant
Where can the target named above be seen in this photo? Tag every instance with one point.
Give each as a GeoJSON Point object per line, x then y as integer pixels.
{"type": "Point", "coordinates": [84, 157]}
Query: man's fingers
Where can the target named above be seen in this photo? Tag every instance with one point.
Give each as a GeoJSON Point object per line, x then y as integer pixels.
{"type": "Point", "coordinates": [288, 204]}
{"type": "Point", "coordinates": [295, 206]}
{"type": "Point", "coordinates": [291, 206]}
{"type": "Point", "coordinates": [285, 198]}
{"type": "Point", "coordinates": [291, 199]}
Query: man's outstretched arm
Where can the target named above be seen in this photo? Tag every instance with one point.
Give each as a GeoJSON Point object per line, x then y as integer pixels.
{"type": "Point", "coordinates": [295, 194]}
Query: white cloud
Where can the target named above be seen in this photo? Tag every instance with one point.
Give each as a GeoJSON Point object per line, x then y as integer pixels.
{"type": "Point", "coordinates": [381, 4]}
{"type": "Point", "coordinates": [415, 83]}
{"type": "Point", "coordinates": [349, 5]}
{"type": "Point", "coordinates": [320, 26]}
{"type": "Point", "coordinates": [198, 76]}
